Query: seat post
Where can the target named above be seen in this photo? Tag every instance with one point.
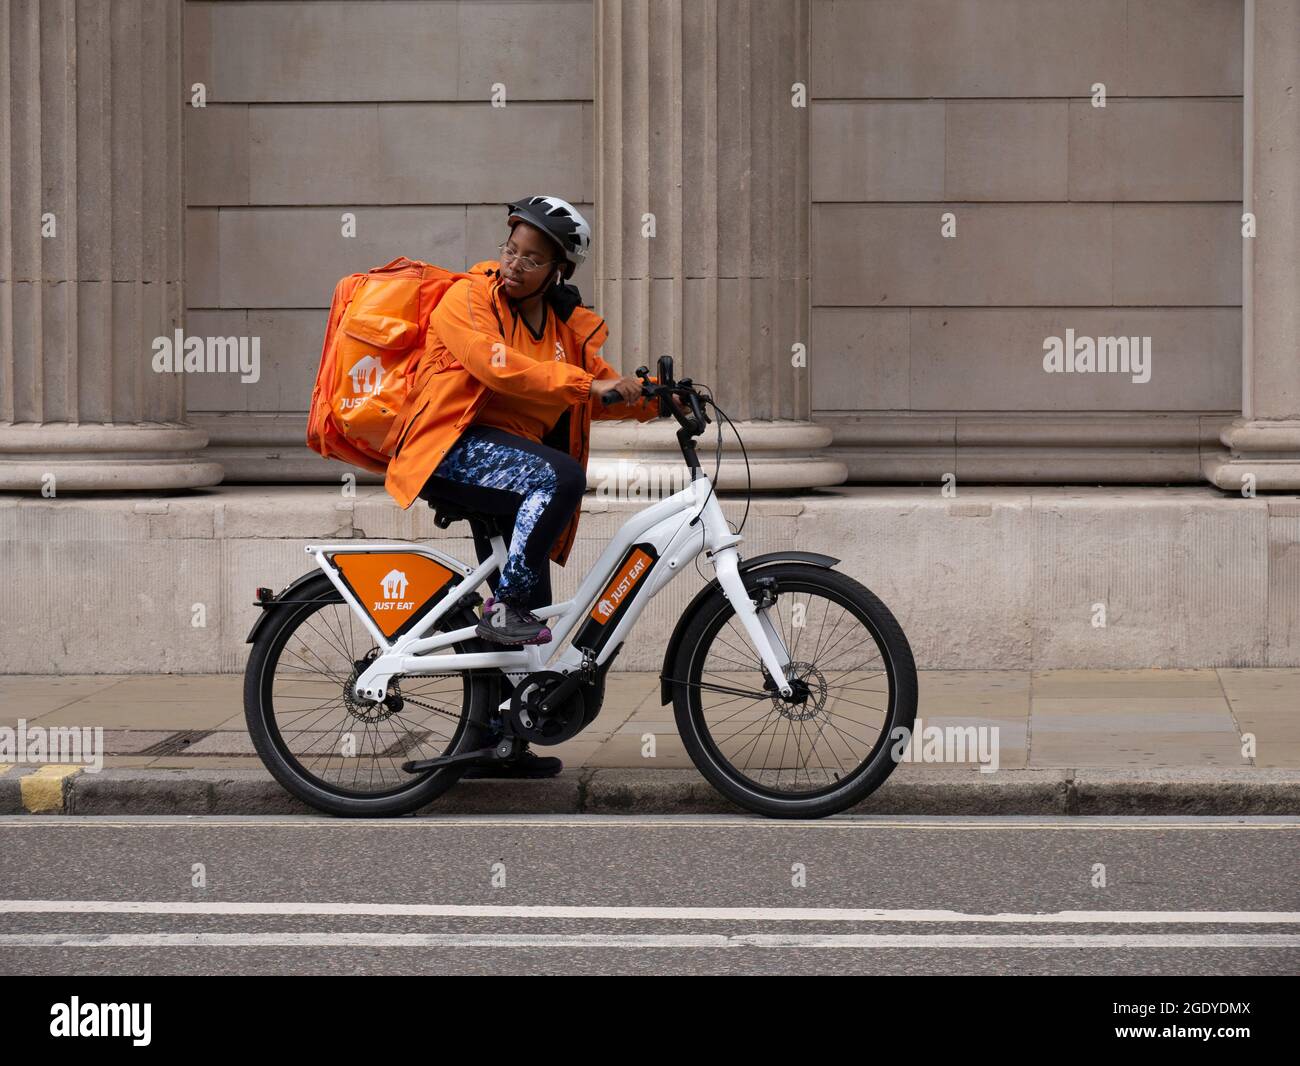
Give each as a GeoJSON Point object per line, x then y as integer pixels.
{"type": "Point", "coordinates": [482, 526]}
{"type": "Point", "coordinates": [483, 529]}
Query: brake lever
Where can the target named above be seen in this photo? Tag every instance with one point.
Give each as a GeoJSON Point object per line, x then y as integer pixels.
{"type": "Point", "coordinates": [643, 373]}
{"type": "Point", "coordinates": [702, 418]}
{"type": "Point", "coordinates": [699, 417]}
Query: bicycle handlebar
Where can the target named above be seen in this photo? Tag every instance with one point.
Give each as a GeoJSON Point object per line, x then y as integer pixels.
{"type": "Point", "coordinates": [684, 389]}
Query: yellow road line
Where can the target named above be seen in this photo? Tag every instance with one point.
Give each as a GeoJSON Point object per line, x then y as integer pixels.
{"type": "Point", "coordinates": [43, 790]}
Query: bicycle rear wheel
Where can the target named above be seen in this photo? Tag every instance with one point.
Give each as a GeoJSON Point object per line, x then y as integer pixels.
{"type": "Point", "coordinates": [343, 755]}
{"type": "Point", "coordinates": [830, 745]}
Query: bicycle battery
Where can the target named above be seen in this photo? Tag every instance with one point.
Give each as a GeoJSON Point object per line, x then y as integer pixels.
{"type": "Point", "coordinates": [612, 604]}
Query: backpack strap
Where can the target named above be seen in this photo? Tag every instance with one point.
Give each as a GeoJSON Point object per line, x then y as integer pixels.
{"type": "Point", "coordinates": [492, 299]}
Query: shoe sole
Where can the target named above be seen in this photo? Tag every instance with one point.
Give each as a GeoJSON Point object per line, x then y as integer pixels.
{"type": "Point", "coordinates": [494, 635]}
{"type": "Point", "coordinates": [544, 637]}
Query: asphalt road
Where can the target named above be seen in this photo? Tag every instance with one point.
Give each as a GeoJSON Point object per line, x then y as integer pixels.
{"type": "Point", "coordinates": [565, 894]}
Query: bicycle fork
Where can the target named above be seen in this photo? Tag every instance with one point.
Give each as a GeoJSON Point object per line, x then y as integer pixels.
{"type": "Point", "coordinates": [762, 633]}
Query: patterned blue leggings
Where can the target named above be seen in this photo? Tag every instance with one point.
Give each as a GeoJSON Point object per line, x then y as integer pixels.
{"type": "Point", "coordinates": [535, 487]}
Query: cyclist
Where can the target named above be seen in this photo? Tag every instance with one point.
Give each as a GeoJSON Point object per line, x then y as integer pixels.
{"type": "Point", "coordinates": [512, 352]}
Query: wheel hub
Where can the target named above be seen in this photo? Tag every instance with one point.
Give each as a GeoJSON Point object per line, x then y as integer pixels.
{"type": "Point", "coordinates": [365, 710]}
{"type": "Point", "coordinates": [808, 695]}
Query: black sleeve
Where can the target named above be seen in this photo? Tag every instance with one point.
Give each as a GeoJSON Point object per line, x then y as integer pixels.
{"type": "Point", "coordinates": [557, 436]}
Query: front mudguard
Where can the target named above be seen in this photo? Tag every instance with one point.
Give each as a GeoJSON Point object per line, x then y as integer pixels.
{"type": "Point", "coordinates": [744, 566]}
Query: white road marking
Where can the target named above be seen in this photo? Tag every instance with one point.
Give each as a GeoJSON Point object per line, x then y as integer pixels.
{"type": "Point", "coordinates": [839, 822]}
{"type": "Point", "coordinates": [705, 914]}
{"type": "Point", "coordinates": [642, 940]}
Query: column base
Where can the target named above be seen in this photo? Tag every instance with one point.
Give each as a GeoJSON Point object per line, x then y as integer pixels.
{"type": "Point", "coordinates": [783, 454]}
{"type": "Point", "coordinates": [94, 457]}
{"type": "Point", "coordinates": [639, 459]}
{"type": "Point", "coordinates": [1268, 450]}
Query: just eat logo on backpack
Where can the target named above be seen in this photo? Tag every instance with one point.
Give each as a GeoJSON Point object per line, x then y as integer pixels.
{"type": "Point", "coordinates": [373, 342]}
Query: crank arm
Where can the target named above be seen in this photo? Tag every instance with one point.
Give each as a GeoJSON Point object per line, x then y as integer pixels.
{"type": "Point", "coordinates": [505, 749]}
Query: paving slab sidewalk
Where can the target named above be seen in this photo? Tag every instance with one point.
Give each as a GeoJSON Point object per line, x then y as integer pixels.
{"type": "Point", "coordinates": [1213, 741]}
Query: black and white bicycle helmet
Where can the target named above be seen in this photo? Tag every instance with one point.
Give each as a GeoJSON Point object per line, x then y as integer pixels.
{"type": "Point", "coordinates": [561, 221]}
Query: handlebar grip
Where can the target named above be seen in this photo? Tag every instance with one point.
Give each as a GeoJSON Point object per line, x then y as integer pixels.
{"type": "Point", "coordinates": [610, 397]}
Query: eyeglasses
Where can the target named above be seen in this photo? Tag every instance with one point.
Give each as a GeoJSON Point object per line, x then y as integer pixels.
{"type": "Point", "coordinates": [525, 263]}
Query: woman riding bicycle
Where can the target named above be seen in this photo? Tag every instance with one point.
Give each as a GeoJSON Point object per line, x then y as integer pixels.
{"type": "Point", "coordinates": [498, 424]}
{"type": "Point", "coordinates": [499, 415]}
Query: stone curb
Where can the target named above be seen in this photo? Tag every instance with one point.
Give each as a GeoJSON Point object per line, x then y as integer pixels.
{"type": "Point", "coordinates": [1183, 791]}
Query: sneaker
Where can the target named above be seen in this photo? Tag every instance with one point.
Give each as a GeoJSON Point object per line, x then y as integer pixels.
{"type": "Point", "coordinates": [525, 764]}
{"type": "Point", "coordinates": [505, 623]}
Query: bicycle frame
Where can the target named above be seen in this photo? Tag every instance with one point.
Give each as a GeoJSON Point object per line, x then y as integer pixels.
{"type": "Point", "coordinates": [669, 534]}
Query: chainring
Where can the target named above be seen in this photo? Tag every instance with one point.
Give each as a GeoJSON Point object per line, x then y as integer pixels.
{"type": "Point", "coordinates": [564, 722]}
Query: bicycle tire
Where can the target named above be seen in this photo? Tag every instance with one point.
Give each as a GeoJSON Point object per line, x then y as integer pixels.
{"type": "Point", "coordinates": [899, 666]}
{"type": "Point", "coordinates": [481, 698]}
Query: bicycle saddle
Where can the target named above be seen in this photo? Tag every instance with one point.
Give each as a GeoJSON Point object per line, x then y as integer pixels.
{"type": "Point", "coordinates": [447, 513]}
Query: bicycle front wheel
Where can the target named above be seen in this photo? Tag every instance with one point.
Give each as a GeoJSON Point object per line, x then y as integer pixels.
{"type": "Point", "coordinates": [829, 745]}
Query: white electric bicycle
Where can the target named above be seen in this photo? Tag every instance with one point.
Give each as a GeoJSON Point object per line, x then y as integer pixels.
{"type": "Point", "coordinates": [368, 693]}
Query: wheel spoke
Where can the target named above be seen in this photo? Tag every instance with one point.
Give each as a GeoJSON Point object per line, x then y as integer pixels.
{"type": "Point", "coordinates": [817, 741]}
{"type": "Point", "coordinates": [309, 708]}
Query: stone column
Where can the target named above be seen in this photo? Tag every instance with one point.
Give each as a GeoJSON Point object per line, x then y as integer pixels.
{"type": "Point", "coordinates": [696, 126]}
{"type": "Point", "coordinates": [91, 213]}
{"type": "Point", "coordinates": [1265, 441]}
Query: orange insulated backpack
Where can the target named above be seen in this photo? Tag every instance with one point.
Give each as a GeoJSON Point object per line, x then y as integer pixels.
{"type": "Point", "coordinates": [373, 339]}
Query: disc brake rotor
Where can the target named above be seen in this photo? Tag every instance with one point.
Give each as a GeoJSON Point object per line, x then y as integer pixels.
{"type": "Point", "coordinates": [809, 696]}
{"type": "Point", "coordinates": [368, 710]}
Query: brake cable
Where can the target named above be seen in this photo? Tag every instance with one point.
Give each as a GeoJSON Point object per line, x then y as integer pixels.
{"type": "Point", "coordinates": [749, 477]}
{"type": "Point", "coordinates": [717, 468]}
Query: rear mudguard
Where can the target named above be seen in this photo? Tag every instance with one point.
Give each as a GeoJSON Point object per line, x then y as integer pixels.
{"type": "Point", "coordinates": [744, 566]}
{"type": "Point", "coordinates": [289, 594]}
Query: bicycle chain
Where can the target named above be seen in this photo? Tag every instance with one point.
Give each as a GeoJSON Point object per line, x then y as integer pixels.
{"type": "Point", "coordinates": [430, 706]}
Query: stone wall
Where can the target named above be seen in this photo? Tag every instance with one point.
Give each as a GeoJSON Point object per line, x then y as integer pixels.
{"type": "Point", "coordinates": [1120, 220]}
{"type": "Point", "coordinates": [999, 578]}
{"type": "Point", "coordinates": [378, 110]}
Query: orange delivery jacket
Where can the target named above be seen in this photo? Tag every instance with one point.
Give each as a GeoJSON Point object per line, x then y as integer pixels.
{"type": "Point", "coordinates": [456, 374]}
